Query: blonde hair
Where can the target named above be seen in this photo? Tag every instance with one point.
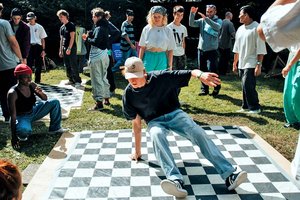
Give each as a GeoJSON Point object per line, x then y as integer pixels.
{"type": "Point", "coordinates": [150, 19]}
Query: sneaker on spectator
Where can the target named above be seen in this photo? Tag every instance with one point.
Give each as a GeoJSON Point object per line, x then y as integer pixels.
{"type": "Point", "coordinates": [69, 83]}
{"type": "Point", "coordinates": [98, 106]}
{"type": "Point", "coordinates": [86, 69]}
{"type": "Point", "coordinates": [254, 111]}
{"type": "Point", "coordinates": [59, 131]}
{"type": "Point", "coordinates": [175, 188]}
{"type": "Point", "coordinates": [242, 110]}
{"type": "Point", "coordinates": [23, 139]}
{"type": "Point", "coordinates": [235, 179]}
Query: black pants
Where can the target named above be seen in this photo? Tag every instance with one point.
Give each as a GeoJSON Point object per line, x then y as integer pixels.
{"type": "Point", "coordinates": [110, 75]}
{"type": "Point", "coordinates": [250, 96]}
{"type": "Point", "coordinates": [35, 59]}
{"type": "Point", "coordinates": [208, 61]}
{"type": "Point", "coordinates": [71, 65]}
{"type": "Point", "coordinates": [7, 80]}
{"type": "Point", "coordinates": [224, 62]}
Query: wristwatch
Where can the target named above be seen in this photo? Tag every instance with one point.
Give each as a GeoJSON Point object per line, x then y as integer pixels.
{"type": "Point", "coordinates": [258, 63]}
{"type": "Point", "coordinates": [199, 75]}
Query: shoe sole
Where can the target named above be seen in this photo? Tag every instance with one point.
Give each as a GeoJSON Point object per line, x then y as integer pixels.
{"type": "Point", "coordinates": [241, 178]}
{"type": "Point", "coordinates": [171, 189]}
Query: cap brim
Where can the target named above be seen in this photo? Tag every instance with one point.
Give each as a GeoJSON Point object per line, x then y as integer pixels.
{"type": "Point", "coordinates": [129, 75]}
{"type": "Point", "coordinates": [28, 18]}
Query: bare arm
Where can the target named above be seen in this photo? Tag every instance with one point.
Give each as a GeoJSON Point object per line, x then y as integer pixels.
{"type": "Point", "coordinates": [208, 78]}
{"type": "Point", "coordinates": [15, 46]}
{"type": "Point", "coordinates": [142, 51]}
{"type": "Point", "coordinates": [43, 46]}
{"type": "Point", "coordinates": [137, 130]}
{"type": "Point", "coordinates": [289, 65]}
{"type": "Point", "coordinates": [257, 70]}
{"type": "Point", "coordinates": [61, 47]}
{"type": "Point", "coordinates": [235, 62]}
{"type": "Point", "coordinates": [39, 92]}
{"type": "Point", "coordinates": [11, 102]}
{"type": "Point", "coordinates": [129, 41]}
{"type": "Point", "coordinates": [170, 59]}
{"type": "Point", "coordinates": [72, 39]}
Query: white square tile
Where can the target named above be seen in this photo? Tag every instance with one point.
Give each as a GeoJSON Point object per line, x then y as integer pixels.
{"type": "Point", "coordinates": [76, 193]}
{"type": "Point", "coordinates": [121, 172]}
{"type": "Point", "coordinates": [140, 181]}
{"type": "Point", "coordinates": [258, 178]}
{"type": "Point", "coordinates": [89, 157]}
{"type": "Point", "coordinates": [63, 181]}
{"type": "Point", "coordinates": [104, 165]}
{"type": "Point", "coordinates": [83, 173]}
{"type": "Point", "coordinates": [119, 191]}
{"type": "Point", "coordinates": [203, 189]}
{"type": "Point", "coordinates": [243, 161]}
{"type": "Point", "coordinates": [100, 182]}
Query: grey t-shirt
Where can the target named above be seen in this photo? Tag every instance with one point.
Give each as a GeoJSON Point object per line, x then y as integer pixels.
{"type": "Point", "coordinates": [8, 59]}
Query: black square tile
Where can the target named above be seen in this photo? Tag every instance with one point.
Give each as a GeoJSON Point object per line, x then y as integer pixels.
{"type": "Point", "coordinates": [192, 163]}
{"type": "Point", "coordinates": [122, 164]}
{"type": "Point", "coordinates": [250, 168]}
{"type": "Point", "coordinates": [198, 179]}
{"type": "Point", "coordinates": [106, 158]}
{"type": "Point", "coordinates": [80, 182]}
{"type": "Point", "coordinates": [265, 188]}
{"type": "Point", "coordinates": [139, 172]}
{"type": "Point", "coordinates": [123, 151]}
{"type": "Point", "coordinates": [140, 191]}
{"type": "Point", "coordinates": [109, 145]}
{"type": "Point", "coordinates": [91, 151]}
{"type": "Point", "coordinates": [236, 154]}
{"type": "Point", "coordinates": [102, 173]}
{"type": "Point", "coordinates": [87, 164]}
{"type": "Point", "coordinates": [228, 141]}
{"type": "Point", "coordinates": [58, 193]}
{"type": "Point", "coordinates": [80, 146]}
{"type": "Point", "coordinates": [186, 149]}
{"type": "Point", "coordinates": [96, 140]}
{"type": "Point", "coordinates": [276, 177]}
{"type": "Point", "coordinates": [222, 189]}
{"type": "Point", "coordinates": [210, 170]}
{"type": "Point", "coordinates": [97, 192]}
{"type": "Point", "coordinates": [75, 158]}
{"type": "Point", "coordinates": [248, 146]}
{"type": "Point", "coordinates": [120, 181]}
{"type": "Point", "coordinates": [261, 160]}
{"type": "Point", "coordinates": [250, 197]}
{"type": "Point", "coordinates": [66, 173]}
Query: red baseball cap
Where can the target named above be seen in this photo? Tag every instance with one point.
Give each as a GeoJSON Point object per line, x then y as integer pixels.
{"type": "Point", "coordinates": [22, 69]}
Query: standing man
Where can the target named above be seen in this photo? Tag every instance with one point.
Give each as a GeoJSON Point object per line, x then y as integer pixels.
{"type": "Point", "coordinates": [37, 45]}
{"type": "Point", "coordinates": [67, 48]}
{"type": "Point", "coordinates": [98, 59]}
{"type": "Point", "coordinates": [180, 34]}
{"type": "Point", "coordinates": [209, 26]}
{"type": "Point", "coordinates": [9, 49]}
{"type": "Point", "coordinates": [249, 51]}
{"type": "Point", "coordinates": [227, 34]}
{"type": "Point", "coordinates": [22, 32]}
{"type": "Point", "coordinates": [153, 97]}
{"type": "Point", "coordinates": [127, 44]}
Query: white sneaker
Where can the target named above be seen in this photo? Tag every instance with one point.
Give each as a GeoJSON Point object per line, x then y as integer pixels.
{"type": "Point", "coordinates": [175, 188]}
{"type": "Point", "coordinates": [235, 179]}
{"type": "Point", "coordinates": [254, 111]}
{"type": "Point", "coordinates": [242, 110]}
{"type": "Point", "coordinates": [59, 131]}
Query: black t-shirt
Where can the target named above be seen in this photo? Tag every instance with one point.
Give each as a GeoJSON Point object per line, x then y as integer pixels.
{"type": "Point", "coordinates": [158, 97]}
{"type": "Point", "coordinates": [65, 31]}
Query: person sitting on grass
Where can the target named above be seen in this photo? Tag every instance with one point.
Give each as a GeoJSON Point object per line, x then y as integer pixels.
{"type": "Point", "coordinates": [154, 97]}
{"type": "Point", "coordinates": [24, 109]}
{"type": "Point", "coordinates": [11, 181]}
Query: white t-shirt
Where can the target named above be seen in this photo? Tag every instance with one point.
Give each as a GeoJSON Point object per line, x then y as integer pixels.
{"type": "Point", "coordinates": [37, 33]}
{"type": "Point", "coordinates": [180, 33]}
{"type": "Point", "coordinates": [248, 45]}
{"type": "Point", "coordinates": [157, 37]}
{"type": "Point", "coordinates": [281, 25]}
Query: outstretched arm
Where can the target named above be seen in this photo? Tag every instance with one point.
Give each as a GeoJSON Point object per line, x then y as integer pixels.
{"type": "Point", "coordinates": [208, 78]}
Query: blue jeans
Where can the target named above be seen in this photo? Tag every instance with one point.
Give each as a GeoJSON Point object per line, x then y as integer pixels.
{"type": "Point", "coordinates": [41, 109]}
{"type": "Point", "coordinates": [179, 122]}
{"type": "Point", "coordinates": [125, 55]}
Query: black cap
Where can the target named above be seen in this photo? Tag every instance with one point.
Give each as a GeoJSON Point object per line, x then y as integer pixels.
{"type": "Point", "coordinates": [16, 12]}
{"type": "Point", "coordinates": [30, 15]}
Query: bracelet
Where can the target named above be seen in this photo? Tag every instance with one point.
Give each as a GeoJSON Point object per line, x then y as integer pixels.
{"type": "Point", "coordinates": [258, 63]}
{"type": "Point", "coordinates": [199, 75]}
{"type": "Point", "coordinates": [69, 48]}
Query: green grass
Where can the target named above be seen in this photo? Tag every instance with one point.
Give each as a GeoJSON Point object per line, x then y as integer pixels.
{"type": "Point", "coordinates": [204, 110]}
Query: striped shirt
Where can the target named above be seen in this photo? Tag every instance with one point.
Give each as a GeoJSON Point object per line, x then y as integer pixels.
{"type": "Point", "coordinates": [127, 29]}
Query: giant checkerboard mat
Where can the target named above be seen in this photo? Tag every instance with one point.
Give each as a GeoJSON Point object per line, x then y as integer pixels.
{"type": "Point", "coordinates": [69, 96]}
{"type": "Point", "coordinates": [98, 167]}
